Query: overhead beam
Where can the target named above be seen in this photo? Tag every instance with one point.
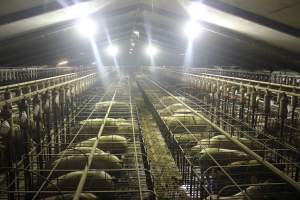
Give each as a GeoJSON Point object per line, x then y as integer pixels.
{"type": "Point", "coordinates": [169, 37]}
{"type": "Point", "coordinates": [225, 32]}
{"type": "Point", "coordinates": [258, 19]}
{"type": "Point", "coordinates": [35, 11]}
{"type": "Point", "coordinates": [52, 55]}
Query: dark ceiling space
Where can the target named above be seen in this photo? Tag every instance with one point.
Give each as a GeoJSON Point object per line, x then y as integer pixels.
{"type": "Point", "coordinates": [234, 33]}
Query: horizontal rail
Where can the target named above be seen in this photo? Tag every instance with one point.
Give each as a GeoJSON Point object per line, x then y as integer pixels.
{"type": "Point", "coordinates": [39, 81]}
{"type": "Point", "coordinates": [18, 98]}
{"type": "Point", "coordinates": [259, 85]}
{"type": "Point", "coordinates": [270, 166]}
{"type": "Point", "coordinates": [268, 84]}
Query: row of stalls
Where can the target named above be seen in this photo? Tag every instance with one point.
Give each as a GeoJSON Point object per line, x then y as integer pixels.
{"type": "Point", "coordinates": [213, 164]}
{"type": "Point", "coordinates": [85, 144]}
{"type": "Point", "coordinates": [278, 77]}
{"type": "Point", "coordinates": [17, 75]}
{"type": "Point", "coordinates": [35, 119]}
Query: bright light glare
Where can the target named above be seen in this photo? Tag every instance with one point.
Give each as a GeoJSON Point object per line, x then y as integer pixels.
{"type": "Point", "coordinates": [87, 27]}
{"type": "Point", "coordinates": [192, 29]}
{"type": "Point", "coordinates": [151, 50]}
{"type": "Point", "coordinates": [112, 50]}
{"type": "Point", "coordinates": [79, 9]}
{"type": "Point", "coordinates": [196, 10]}
{"type": "Point", "coordinates": [137, 33]}
{"type": "Point", "coordinates": [64, 62]}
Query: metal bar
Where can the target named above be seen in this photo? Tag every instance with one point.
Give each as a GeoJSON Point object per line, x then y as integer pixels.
{"type": "Point", "coordinates": [247, 83]}
{"type": "Point", "coordinates": [61, 156]}
{"type": "Point", "coordinates": [271, 167]}
{"type": "Point", "coordinates": [233, 10]}
{"type": "Point", "coordinates": [15, 99]}
{"type": "Point", "coordinates": [188, 162]}
{"type": "Point", "coordinates": [134, 142]}
{"type": "Point", "coordinates": [14, 86]}
{"type": "Point", "coordinates": [91, 155]}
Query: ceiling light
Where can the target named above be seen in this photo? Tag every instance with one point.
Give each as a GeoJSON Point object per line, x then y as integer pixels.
{"type": "Point", "coordinates": [112, 50]}
{"type": "Point", "coordinates": [132, 44]}
{"type": "Point", "coordinates": [151, 50]}
{"type": "Point", "coordinates": [196, 10]}
{"type": "Point", "coordinates": [192, 29]}
{"type": "Point", "coordinates": [137, 33]}
{"type": "Point", "coordinates": [87, 27]}
{"type": "Point", "coordinates": [63, 62]}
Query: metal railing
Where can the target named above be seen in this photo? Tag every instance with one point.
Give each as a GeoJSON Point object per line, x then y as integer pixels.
{"type": "Point", "coordinates": [232, 132]}
{"type": "Point", "coordinates": [131, 181]}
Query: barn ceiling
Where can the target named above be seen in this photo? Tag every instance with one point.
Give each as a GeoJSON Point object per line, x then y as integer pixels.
{"type": "Point", "coordinates": [254, 34]}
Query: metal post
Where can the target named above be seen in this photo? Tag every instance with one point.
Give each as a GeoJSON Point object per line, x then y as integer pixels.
{"type": "Point", "coordinates": [62, 114]}
{"type": "Point", "coordinates": [283, 111]}
{"type": "Point", "coordinates": [253, 104]}
{"type": "Point", "coordinates": [10, 148]}
{"type": "Point", "coordinates": [46, 102]}
{"type": "Point", "coordinates": [55, 109]}
{"type": "Point", "coordinates": [73, 106]}
{"type": "Point", "coordinates": [242, 102]}
{"type": "Point", "coordinates": [68, 115]}
{"type": "Point", "coordinates": [24, 124]}
{"type": "Point", "coordinates": [37, 111]}
{"type": "Point", "coordinates": [267, 108]}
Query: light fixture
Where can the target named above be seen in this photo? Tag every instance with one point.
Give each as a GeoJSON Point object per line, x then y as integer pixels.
{"type": "Point", "coordinates": [196, 10]}
{"type": "Point", "coordinates": [137, 33]}
{"type": "Point", "coordinates": [192, 29]}
{"type": "Point", "coordinates": [94, 63]}
{"type": "Point", "coordinates": [87, 27]}
{"type": "Point", "coordinates": [112, 50]}
{"type": "Point", "coordinates": [151, 50]}
{"type": "Point", "coordinates": [132, 44]}
{"type": "Point", "coordinates": [63, 62]}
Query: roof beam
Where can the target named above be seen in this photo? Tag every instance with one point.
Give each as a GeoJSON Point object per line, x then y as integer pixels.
{"type": "Point", "coordinates": [37, 10]}
{"type": "Point", "coordinates": [224, 7]}
{"type": "Point", "coordinates": [227, 33]}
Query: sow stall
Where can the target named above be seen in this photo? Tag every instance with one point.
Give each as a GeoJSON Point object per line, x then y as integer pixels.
{"type": "Point", "coordinates": [214, 165]}
{"type": "Point", "coordinates": [47, 141]}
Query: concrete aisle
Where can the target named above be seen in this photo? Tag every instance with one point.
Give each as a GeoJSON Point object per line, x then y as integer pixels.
{"type": "Point", "coordinates": [163, 167]}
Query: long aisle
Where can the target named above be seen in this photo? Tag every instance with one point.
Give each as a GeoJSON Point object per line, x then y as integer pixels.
{"type": "Point", "coordinates": [166, 176]}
